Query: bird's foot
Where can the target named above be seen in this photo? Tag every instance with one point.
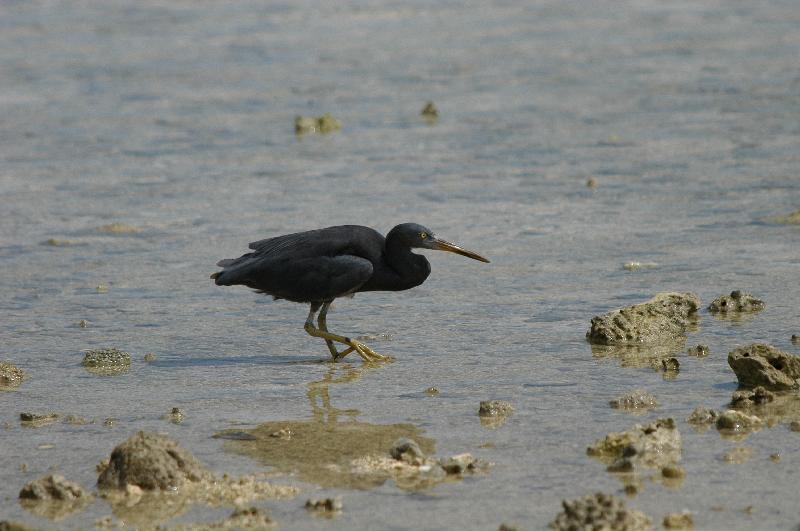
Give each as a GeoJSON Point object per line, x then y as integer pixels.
{"type": "Point", "coordinates": [366, 353]}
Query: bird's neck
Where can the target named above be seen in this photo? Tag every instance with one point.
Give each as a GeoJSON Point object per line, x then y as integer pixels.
{"type": "Point", "coordinates": [412, 268]}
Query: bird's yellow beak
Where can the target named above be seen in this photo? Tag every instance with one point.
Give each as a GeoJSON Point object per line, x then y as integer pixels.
{"type": "Point", "coordinates": [442, 245]}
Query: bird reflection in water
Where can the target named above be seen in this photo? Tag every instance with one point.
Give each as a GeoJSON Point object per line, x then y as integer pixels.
{"type": "Point", "coordinates": [321, 449]}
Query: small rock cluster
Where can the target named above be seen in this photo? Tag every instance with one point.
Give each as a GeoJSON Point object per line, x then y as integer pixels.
{"type": "Point", "coordinates": [599, 511]}
{"type": "Point", "coordinates": [737, 301]}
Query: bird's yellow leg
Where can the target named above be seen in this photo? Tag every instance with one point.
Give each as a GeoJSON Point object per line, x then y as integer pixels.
{"type": "Point", "coordinates": [322, 324]}
{"type": "Point", "coordinates": [366, 353]}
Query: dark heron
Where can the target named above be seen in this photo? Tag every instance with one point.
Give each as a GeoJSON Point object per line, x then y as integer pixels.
{"type": "Point", "coordinates": [317, 266]}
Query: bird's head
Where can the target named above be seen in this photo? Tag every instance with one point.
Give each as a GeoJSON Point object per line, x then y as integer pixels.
{"type": "Point", "coordinates": [417, 236]}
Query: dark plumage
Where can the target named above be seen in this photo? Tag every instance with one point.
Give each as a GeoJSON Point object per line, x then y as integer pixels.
{"type": "Point", "coordinates": [320, 265]}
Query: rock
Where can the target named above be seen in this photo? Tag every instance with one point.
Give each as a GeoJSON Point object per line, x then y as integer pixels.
{"type": "Point", "coordinates": [52, 487]}
{"type": "Point", "coordinates": [119, 228]}
{"type": "Point", "coordinates": [175, 416]}
{"type": "Point", "coordinates": [794, 425]}
{"type": "Point", "coordinates": [638, 399]}
{"type": "Point", "coordinates": [701, 351]}
{"type": "Point", "coordinates": [494, 413]}
{"type": "Point", "coordinates": [761, 364]}
{"type": "Point", "coordinates": [670, 365]}
{"type": "Point", "coordinates": [461, 463]}
{"type": "Point", "coordinates": [591, 183]}
{"type": "Point", "coordinates": [149, 357]}
{"type": "Point", "coordinates": [673, 472]}
{"type": "Point", "coordinates": [326, 505]}
{"type": "Point", "coordinates": [636, 266]}
{"type": "Point", "coordinates": [107, 361]}
{"type": "Point", "coordinates": [11, 376]}
{"type": "Point", "coordinates": [663, 318]}
{"type": "Point", "coordinates": [37, 420]}
{"type": "Point", "coordinates": [775, 457]}
{"type": "Point", "coordinates": [240, 519]}
{"type": "Point", "coordinates": [599, 511]}
{"type": "Point", "coordinates": [495, 408]}
{"type": "Point", "coordinates": [432, 391]}
{"type": "Point", "coordinates": [749, 398]}
{"type": "Point", "coordinates": [407, 450]}
{"type": "Point", "coordinates": [702, 415]}
{"type": "Point", "coordinates": [508, 527]}
{"type": "Point", "coordinates": [678, 521]}
{"type": "Point", "coordinates": [152, 462]}
{"type": "Point", "coordinates": [324, 124]}
{"type": "Point", "coordinates": [795, 339]}
{"type": "Point", "coordinates": [655, 445]}
{"type": "Point", "coordinates": [737, 301]}
{"type": "Point", "coordinates": [430, 111]}
{"type": "Point", "coordinates": [737, 422]}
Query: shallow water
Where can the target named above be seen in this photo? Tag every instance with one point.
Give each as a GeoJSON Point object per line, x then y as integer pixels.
{"type": "Point", "coordinates": [177, 119]}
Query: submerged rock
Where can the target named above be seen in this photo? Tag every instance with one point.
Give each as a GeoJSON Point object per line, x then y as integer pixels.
{"type": "Point", "coordinates": [407, 450]}
{"type": "Point", "coordinates": [495, 408]}
{"type": "Point", "coordinates": [11, 376]}
{"type": "Point", "coordinates": [737, 301]}
{"type": "Point", "coordinates": [53, 497]}
{"type": "Point", "coordinates": [107, 361]}
{"type": "Point", "coordinates": [764, 365]}
{"type": "Point", "coordinates": [52, 487]}
{"type": "Point", "coordinates": [701, 351]}
{"type": "Point", "coordinates": [678, 521]}
{"type": "Point", "coordinates": [749, 398]}
{"type": "Point", "coordinates": [119, 228]}
{"type": "Point", "coordinates": [663, 318]}
{"type": "Point", "coordinates": [493, 413]}
{"type": "Point", "coordinates": [326, 506]}
{"type": "Point", "coordinates": [37, 420]}
{"type": "Point", "coordinates": [738, 455]}
{"type": "Point", "coordinates": [430, 112]}
{"type": "Point", "coordinates": [733, 421]}
{"type": "Point", "coordinates": [599, 511]}
{"type": "Point", "coordinates": [323, 124]}
{"type": "Point", "coordinates": [151, 462]}
{"type": "Point", "coordinates": [654, 445]}
{"type": "Point", "coordinates": [635, 400]}
{"type": "Point", "coordinates": [702, 416]}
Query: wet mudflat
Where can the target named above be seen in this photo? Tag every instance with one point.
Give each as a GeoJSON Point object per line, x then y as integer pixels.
{"type": "Point", "coordinates": [143, 143]}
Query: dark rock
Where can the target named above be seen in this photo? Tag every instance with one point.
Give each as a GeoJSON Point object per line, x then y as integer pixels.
{"type": "Point", "coordinates": [323, 124]}
{"type": "Point", "coordinates": [152, 462]}
{"type": "Point", "coordinates": [703, 415]}
{"type": "Point", "coordinates": [599, 511]}
{"type": "Point", "coordinates": [737, 301]}
{"type": "Point", "coordinates": [665, 317]}
{"type": "Point", "coordinates": [764, 365]}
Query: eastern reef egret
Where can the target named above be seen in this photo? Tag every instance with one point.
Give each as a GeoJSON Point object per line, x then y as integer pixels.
{"type": "Point", "coordinates": [317, 266]}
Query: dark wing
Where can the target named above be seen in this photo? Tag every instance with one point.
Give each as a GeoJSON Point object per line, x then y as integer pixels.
{"type": "Point", "coordinates": [310, 266]}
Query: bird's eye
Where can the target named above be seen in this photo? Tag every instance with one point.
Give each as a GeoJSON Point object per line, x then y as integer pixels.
{"type": "Point", "coordinates": [423, 235]}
